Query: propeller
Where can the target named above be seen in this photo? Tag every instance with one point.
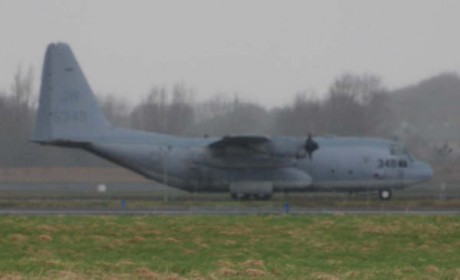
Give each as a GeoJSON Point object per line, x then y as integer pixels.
{"type": "Point", "coordinates": [311, 145]}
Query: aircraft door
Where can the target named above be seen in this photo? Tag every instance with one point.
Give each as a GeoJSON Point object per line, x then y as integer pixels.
{"type": "Point", "coordinates": [376, 171]}
{"type": "Point", "coordinates": [402, 166]}
{"type": "Point", "coordinates": [393, 169]}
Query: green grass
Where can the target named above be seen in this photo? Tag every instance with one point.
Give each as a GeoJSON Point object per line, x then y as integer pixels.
{"type": "Point", "coordinates": [230, 247]}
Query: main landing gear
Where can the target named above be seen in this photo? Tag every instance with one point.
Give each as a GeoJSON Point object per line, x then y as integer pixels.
{"type": "Point", "coordinates": [385, 194]}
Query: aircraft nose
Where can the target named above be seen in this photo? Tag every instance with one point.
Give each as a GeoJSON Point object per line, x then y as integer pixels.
{"type": "Point", "coordinates": [424, 171]}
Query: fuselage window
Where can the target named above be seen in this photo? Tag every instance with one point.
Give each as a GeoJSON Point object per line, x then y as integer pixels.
{"type": "Point", "coordinates": [392, 163]}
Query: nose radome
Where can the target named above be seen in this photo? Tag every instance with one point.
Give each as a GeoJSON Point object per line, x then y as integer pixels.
{"type": "Point", "coordinates": [425, 171]}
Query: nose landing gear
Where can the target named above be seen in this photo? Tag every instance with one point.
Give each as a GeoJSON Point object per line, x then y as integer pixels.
{"type": "Point", "coordinates": [385, 194]}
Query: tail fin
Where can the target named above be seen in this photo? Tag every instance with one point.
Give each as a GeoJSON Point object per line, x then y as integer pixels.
{"type": "Point", "coordinates": [68, 111]}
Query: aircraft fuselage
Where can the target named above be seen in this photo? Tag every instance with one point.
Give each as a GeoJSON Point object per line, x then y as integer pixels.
{"type": "Point", "coordinates": [69, 116]}
{"type": "Point", "coordinates": [340, 164]}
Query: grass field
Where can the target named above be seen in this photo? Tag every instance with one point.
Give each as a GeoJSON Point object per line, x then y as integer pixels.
{"type": "Point", "coordinates": [228, 247]}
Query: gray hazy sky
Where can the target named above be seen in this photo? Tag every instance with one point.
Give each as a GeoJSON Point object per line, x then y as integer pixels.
{"type": "Point", "coordinates": [265, 51]}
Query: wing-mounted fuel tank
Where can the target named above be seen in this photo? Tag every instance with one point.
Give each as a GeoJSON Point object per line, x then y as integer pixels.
{"type": "Point", "coordinates": [262, 183]}
{"type": "Point", "coordinates": [224, 179]}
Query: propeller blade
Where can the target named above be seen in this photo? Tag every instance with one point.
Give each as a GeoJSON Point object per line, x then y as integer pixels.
{"type": "Point", "coordinates": [311, 145]}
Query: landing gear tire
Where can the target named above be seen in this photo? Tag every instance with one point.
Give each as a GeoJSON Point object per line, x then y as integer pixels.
{"type": "Point", "coordinates": [385, 194]}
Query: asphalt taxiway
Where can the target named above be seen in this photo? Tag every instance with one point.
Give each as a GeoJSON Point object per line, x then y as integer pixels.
{"type": "Point", "coordinates": [226, 211]}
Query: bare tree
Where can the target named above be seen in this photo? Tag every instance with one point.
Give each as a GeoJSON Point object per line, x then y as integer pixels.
{"type": "Point", "coordinates": [180, 114]}
{"type": "Point", "coordinates": [224, 116]}
{"type": "Point", "coordinates": [164, 112]}
{"type": "Point", "coordinates": [359, 88]}
{"type": "Point", "coordinates": [300, 118]}
{"type": "Point", "coordinates": [355, 105]}
{"type": "Point", "coordinates": [117, 110]}
{"type": "Point", "coordinates": [22, 88]}
{"type": "Point", "coordinates": [150, 114]}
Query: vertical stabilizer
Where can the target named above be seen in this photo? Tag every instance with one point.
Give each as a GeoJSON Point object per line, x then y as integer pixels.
{"type": "Point", "coordinates": [68, 110]}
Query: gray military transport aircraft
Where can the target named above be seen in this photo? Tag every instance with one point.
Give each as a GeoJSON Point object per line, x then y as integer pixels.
{"type": "Point", "coordinates": [245, 166]}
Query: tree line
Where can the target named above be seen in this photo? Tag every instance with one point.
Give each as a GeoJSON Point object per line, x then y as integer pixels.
{"type": "Point", "coordinates": [355, 105]}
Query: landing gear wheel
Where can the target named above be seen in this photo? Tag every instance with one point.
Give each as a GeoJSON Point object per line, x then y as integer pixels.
{"type": "Point", "coordinates": [385, 194]}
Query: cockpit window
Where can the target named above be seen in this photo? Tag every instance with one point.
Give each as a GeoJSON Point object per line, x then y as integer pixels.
{"type": "Point", "coordinates": [401, 151]}
{"type": "Point", "coordinates": [402, 163]}
{"type": "Point", "coordinates": [397, 150]}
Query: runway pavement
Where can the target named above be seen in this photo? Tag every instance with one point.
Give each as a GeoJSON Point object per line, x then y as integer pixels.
{"type": "Point", "coordinates": [226, 211]}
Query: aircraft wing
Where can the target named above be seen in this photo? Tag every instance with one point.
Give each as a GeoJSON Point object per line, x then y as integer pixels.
{"type": "Point", "coordinates": [243, 152]}
{"type": "Point", "coordinates": [249, 144]}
